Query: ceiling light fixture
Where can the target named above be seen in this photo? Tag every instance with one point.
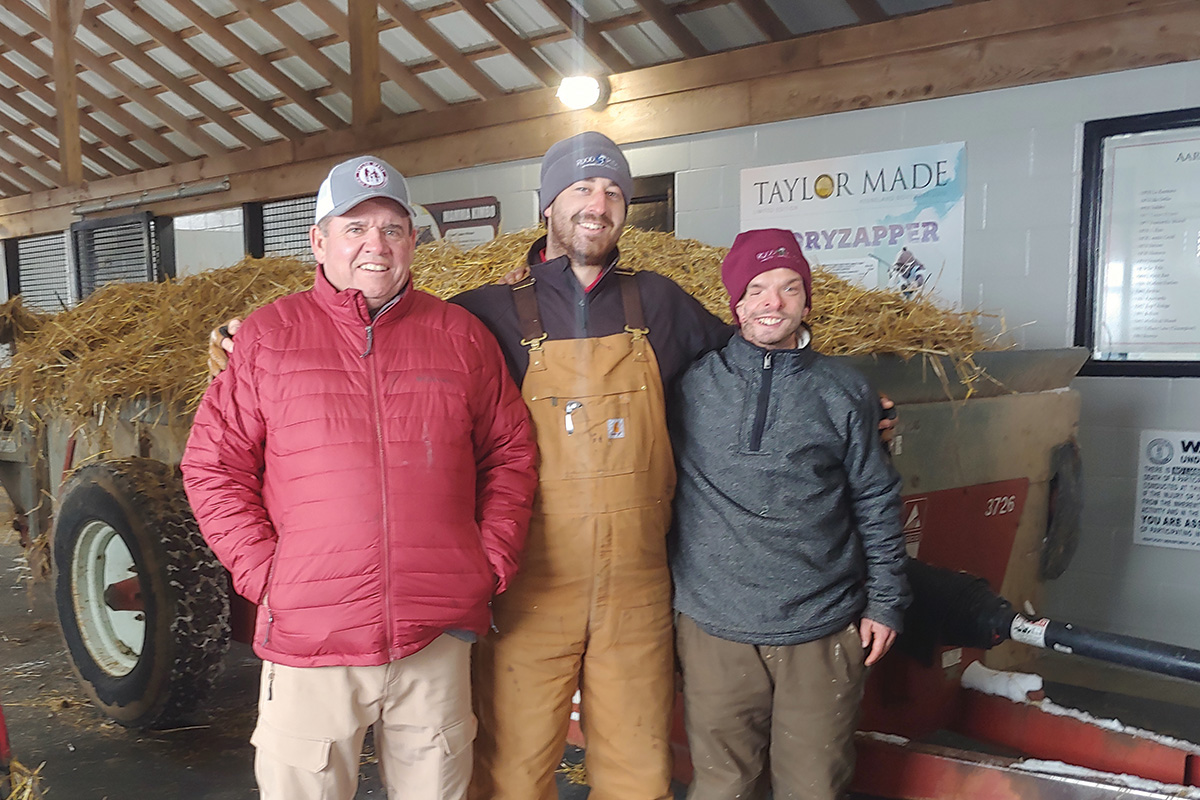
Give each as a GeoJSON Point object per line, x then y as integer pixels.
{"type": "Point", "coordinates": [583, 91]}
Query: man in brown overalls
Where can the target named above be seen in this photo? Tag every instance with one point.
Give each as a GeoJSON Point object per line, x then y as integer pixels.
{"type": "Point", "coordinates": [592, 346]}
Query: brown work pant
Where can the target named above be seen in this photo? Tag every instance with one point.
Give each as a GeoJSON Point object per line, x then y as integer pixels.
{"type": "Point", "coordinates": [312, 720]}
{"type": "Point", "coordinates": [764, 717]}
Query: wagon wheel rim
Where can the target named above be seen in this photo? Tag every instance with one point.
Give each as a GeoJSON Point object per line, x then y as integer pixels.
{"type": "Point", "coordinates": [113, 638]}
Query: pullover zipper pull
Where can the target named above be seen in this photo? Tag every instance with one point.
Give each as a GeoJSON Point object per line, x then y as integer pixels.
{"type": "Point", "coordinates": [370, 341]}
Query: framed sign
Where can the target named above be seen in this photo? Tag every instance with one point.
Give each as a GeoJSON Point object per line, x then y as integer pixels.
{"type": "Point", "coordinates": [1138, 303]}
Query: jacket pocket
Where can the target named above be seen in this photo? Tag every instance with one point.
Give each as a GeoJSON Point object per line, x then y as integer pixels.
{"type": "Point", "coordinates": [310, 755]}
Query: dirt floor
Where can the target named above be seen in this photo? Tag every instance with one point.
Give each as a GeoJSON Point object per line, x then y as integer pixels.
{"type": "Point", "coordinates": [82, 756]}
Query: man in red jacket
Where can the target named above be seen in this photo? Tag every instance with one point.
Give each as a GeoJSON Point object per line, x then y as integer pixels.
{"type": "Point", "coordinates": [365, 469]}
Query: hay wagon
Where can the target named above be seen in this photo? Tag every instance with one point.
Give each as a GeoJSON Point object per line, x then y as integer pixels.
{"type": "Point", "coordinates": [143, 604]}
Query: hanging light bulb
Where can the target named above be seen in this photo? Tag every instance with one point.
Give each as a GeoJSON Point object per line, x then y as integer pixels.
{"type": "Point", "coordinates": [583, 91]}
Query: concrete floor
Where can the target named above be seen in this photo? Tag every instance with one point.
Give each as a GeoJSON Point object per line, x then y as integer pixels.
{"type": "Point", "coordinates": [86, 757]}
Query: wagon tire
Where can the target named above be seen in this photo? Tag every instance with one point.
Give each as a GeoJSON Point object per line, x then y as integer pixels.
{"type": "Point", "coordinates": [153, 666]}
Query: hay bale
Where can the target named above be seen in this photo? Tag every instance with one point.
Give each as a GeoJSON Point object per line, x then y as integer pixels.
{"type": "Point", "coordinates": [130, 342]}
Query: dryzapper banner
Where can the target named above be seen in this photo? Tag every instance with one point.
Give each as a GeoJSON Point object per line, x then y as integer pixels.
{"type": "Point", "coordinates": [883, 220]}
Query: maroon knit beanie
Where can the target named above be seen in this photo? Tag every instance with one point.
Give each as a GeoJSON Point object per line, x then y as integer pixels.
{"type": "Point", "coordinates": [756, 252]}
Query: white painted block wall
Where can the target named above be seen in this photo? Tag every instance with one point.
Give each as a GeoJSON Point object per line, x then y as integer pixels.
{"type": "Point", "coordinates": [1022, 206]}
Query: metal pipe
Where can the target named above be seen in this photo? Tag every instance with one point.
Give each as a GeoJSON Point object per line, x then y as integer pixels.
{"type": "Point", "coordinates": [174, 193]}
{"type": "Point", "coordinates": [1129, 651]}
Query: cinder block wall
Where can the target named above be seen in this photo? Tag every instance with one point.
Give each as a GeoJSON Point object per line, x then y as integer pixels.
{"type": "Point", "coordinates": [1022, 216]}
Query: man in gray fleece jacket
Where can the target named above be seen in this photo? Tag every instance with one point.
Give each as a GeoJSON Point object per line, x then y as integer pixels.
{"type": "Point", "coordinates": [788, 549]}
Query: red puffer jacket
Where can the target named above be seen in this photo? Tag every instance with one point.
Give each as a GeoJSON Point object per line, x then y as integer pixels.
{"type": "Point", "coordinates": [368, 484]}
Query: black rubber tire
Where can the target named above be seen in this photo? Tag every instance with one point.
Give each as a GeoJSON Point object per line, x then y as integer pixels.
{"type": "Point", "coordinates": [185, 591]}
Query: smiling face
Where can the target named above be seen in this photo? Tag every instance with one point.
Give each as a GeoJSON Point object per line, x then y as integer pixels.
{"type": "Point", "coordinates": [584, 222]}
{"type": "Point", "coordinates": [369, 248]}
{"type": "Point", "coordinates": [771, 310]}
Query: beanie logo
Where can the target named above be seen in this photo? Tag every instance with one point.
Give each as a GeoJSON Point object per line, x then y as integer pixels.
{"type": "Point", "coordinates": [598, 160]}
{"type": "Point", "coordinates": [371, 174]}
{"type": "Point", "coordinates": [767, 255]}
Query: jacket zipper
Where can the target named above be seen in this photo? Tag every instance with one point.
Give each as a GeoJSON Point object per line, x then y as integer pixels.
{"type": "Point", "coordinates": [267, 595]}
{"type": "Point", "coordinates": [764, 398]}
{"type": "Point", "coordinates": [385, 569]}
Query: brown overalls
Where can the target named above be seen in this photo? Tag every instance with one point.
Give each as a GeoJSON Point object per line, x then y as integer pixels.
{"type": "Point", "coordinates": [591, 605]}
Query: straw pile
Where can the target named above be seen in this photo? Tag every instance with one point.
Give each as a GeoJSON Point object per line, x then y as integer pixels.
{"type": "Point", "coordinates": [146, 341]}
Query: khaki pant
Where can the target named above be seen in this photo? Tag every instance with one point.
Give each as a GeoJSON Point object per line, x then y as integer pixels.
{"type": "Point", "coordinates": [779, 718]}
{"type": "Point", "coordinates": [311, 724]}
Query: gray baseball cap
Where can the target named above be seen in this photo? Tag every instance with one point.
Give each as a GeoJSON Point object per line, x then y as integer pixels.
{"type": "Point", "coordinates": [359, 179]}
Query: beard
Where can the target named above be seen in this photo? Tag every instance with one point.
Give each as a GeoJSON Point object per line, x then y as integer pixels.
{"type": "Point", "coordinates": [569, 237]}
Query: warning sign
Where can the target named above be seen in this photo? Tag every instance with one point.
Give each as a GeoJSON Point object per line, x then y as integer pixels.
{"type": "Point", "coordinates": [1168, 506]}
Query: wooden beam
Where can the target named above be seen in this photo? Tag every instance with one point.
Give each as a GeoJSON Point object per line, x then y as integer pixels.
{"type": "Point", "coordinates": [102, 102]}
{"type": "Point", "coordinates": [755, 85]}
{"type": "Point", "coordinates": [39, 164]}
{"type": "Point", "coordinates": [485, 14]}
{"type": "Point", "coordinates": [765, 19]}
{"type": "Point", "coordinates": [62, 38]}
{"type": "Point", "coordinates": [20, 177]}
{"type": "Point", "coordinates": [590, 38]}
{"type": "Point", "coordinates": [87, 58]}
{"type": "Point", "coordinates": [28, 134]}
{"type": "Point", "coordinates": [44, 121]}
{"type": "Point", "coordinates": [445, 52]}
{"type": "Point", "coordinates": [867, 10]}
{"type": "Point", "coordinates": [11, 189]}
{"type": "Point", "coordinates": [253, 59]}
{"type": "Point", "coordinates": [291, 39]}
{"type": "Point", "coordinates": [168, 79]}
{"type": "Point", "coordinates": [363, 19]}
{"type": "Point", "coordinates": [675, 30]}
{"type": "Point", "coordinates": [393, 70]}
{"type": "Point", "coordinates": [168, 39]}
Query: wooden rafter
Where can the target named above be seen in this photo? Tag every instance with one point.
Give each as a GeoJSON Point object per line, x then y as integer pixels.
{"type": "Point", "coordinates": [96, 98]}
{"type": "Point", "coordinates": [442, 49]}
{"type": "Point", "coordinates": [28, 134]}
{"type": "Point", "coordinates": [252, 58]}
{"type": "Point", "coordinates": [765, 19]}
{"type": "Point", "coordinates": [592, 39]}
{"type": "Point", "coordinates": [391, 67]}
{"type": "Point", "coordinates": [219, 77]}
{"type": "Point", "coordinates": [868, 10]}
{"type": "Point", "coordinates": [675, 30]}
{"type": "Point", "coordinates": [123, 47]}
{"type": "Point", "coordinates": [483, 13]}
{"type": "Point", "coordinates": [63, 21]}
{"type": "Point", "coordinates": [365, 99]}
{"type": "Point", "coordinates": [15, 173]}
{"type": "Point", "coordinates": [21, 154]}
{"type": "Point", "coordinates": [85, 57]}
{"type": "Point", "coordinates": [291, 39]}
{"type": "Point", "coordinates": [91, 150]}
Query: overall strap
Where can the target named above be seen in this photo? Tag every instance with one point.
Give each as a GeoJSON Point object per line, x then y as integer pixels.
{"type": "Point", "coordinates": [635, 320]}
{"type": "Point", "coordinates": [525, 300]}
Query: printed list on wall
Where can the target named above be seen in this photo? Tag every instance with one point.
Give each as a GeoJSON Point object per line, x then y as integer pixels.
{"type": "Point", "coordinates": [1150, 252]}
{"type": "Point", "coordinates": [1168, 498]}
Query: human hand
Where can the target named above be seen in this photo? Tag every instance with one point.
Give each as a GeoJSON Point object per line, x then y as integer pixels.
{"type": "Point", "coordinates": [887, 421]}
{"type": "Point", "coordinates": [220, 345]}
{"type": "Point", "coordinates": [515, 276]}
{"type": "Point", "coordinates": [877, 639]}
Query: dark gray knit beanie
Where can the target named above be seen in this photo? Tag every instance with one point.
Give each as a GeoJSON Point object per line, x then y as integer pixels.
{"type": "Point", "coordinates": [584, 155]}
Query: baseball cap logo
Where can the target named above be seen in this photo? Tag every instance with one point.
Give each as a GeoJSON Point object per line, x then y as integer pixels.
{"type": "Point", "coordinates": [598, 160]}
{"type": "Point", "coordinates": [767, 255]}
{"type": "Point", "coordinates": [371, 174]}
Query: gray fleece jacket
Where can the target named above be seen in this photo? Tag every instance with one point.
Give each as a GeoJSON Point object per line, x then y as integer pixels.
{"type": "Point", "coordinates": [787, 513]}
